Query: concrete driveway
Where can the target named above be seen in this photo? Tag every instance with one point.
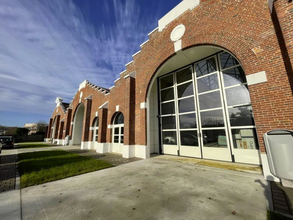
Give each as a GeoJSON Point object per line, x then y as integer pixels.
{"type": "Point", "coordinates": [156, 188]}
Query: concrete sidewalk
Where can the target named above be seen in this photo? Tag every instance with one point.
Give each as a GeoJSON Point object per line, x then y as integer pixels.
{"type": "Point", "coordinates": [155, 188]}
{"type": "Point", "coordinates": [10, 197]}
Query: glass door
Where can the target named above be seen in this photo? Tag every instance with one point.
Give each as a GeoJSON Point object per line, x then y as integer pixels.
{"type": "Point", "coordinates": [206, 112]}
{"type": "Point", "coordinates": [212, 123]}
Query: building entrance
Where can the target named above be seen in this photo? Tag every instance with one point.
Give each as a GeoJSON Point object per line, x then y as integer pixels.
{"type": "Point", "coordinates": [205, 111]}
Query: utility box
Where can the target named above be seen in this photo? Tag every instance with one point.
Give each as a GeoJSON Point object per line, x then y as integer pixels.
{"type": "Point", "coordinates": [279, 146]}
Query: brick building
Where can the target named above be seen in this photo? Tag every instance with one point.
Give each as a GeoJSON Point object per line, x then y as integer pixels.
{"type": "Point", "coordinates": [210, 81]}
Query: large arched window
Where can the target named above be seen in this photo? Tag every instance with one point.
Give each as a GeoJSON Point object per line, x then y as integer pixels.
{"type": "Point", "coordinates": [96, 130]}
{"type": "Point", "coordinates": [118, 129]}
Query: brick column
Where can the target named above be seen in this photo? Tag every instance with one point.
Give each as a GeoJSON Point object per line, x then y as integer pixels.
{"type": "Point", "coordinates": [49, 129]}
{"type": "Point", "coordinates": [67, 123]}
{"type": "Point", "coordinates": [86, 120]}
{"type": "Point", "coordinates": [60, 130]}
{"type": "Point", "coordinates": [55, 135]}
{"type": "Point", "coordinates": [103, 115]}
{"type": "Point", "coordinates": [129, 113]}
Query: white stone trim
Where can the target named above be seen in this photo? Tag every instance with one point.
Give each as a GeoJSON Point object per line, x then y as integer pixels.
{"type": "Point", "coordinates": [92, 128]}
{"type": "Point", "coordinates": [143, 105]}
{"type": "Point", "coordinates": [256, 78]}
{"type": "Point", "coordinates": [153, 31]}
{"type": "Point", "coordinates": [144, 43]}
{"type": "Point", "coordinates": [177, 33]}
{"type": "Point", "coordinates": [136, 53]}
{"type": "Point", "coordinates": [266, 169]}
{"type": "Point", "coordinates": [72, 123]}
{"type": "Point", "coordinates": [139, 151]}
{"type": "Point", "coordinates": [122, 72]}
{"type": "Point", "coordinates": [82, 85]}
{"type": "Point", "coordinates": [111, 87]}
{"type": "Point", "coordinates": [86, 145]}
{"type": "Point", "coordinates": [176, 12]}
{"type": "Point", "coordinates": [132, 74]}
{"type": "Point", "coordinates": [105, 105]}
{"type": "Point", "coordinates": [102, 147]}
{"type": "Point", "coordinates": [116, 80]}
{"type": "Point", "coordinates": [128, 63]}
{"type": "Point", "coordinates": [117, 108]}
{"type": "Point", "coordinates": [110, 126]}
{"type": "Point", "coordinates": [178, 45]}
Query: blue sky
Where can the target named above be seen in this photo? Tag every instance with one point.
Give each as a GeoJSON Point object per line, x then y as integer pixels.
{"type": "Point", "coordinates": [47, 48]}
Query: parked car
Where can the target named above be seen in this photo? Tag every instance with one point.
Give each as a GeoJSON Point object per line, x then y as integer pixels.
{"type": "Point", "coordinates": [7, 141]}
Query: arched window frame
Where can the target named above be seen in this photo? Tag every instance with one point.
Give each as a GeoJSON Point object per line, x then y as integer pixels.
{"type": "Point", "coordinates": [118, 129]}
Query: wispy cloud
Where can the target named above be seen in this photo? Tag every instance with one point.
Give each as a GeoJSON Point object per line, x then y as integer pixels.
{"type": "Point", "coordinates": [47, 48]}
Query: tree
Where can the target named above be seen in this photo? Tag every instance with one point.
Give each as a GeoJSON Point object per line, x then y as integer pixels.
{"type": "Point", "coordinates": [41, 126]}
{"type": "Point", "coordinates": [22, 131]}
{"type": "Point", "coordinates": [11, 131]}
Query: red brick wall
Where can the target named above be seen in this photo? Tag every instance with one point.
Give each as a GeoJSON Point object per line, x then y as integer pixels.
{"type": "Point", "coordinates": [240, 27]}
{"type": "Point", "coordinates": [245, 28]}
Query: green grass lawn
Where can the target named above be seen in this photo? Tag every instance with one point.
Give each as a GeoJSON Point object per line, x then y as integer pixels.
{"type": "Point", "coordinates": [33, 145]}
{"type": "Point", "coordinates": [45, 166]}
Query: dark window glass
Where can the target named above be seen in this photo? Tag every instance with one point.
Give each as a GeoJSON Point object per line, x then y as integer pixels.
{"type": "Point", "coordinates": [210, 100]}
{"type": "Point", "coordinates": [119, 119]}
{"type": "Point", "coordinates": [122, 130]}
{"type": "Point", "coordinates": [208, 83]}
{"type": "Point", "coordinates": [121, 139]}
{"type": "Point", "coordinates": [234, 76]}
{"type": "Point", "coordinates": [244, 139]}
{"type": "Point", "coordinates": [241, 116]}
{"type": "Point", "coordinates": [168, 108]}
{"type": "Point", "coordinates": [169, 137]}
{"type": "Point", "coordinates": [167, 94]}
{"type": "Point", "coordinates": [227, 60]}
{"type": "Point", "coordinates": [205, 67]}
{"type": "Point", "coordinates": [97, 131]}
{"type": "Point", "coordinates": [97, 122]}
{"type": "Point", "coordinates": [184, 75]}
{"type": "Point", "coordinates": [237, 95]}
{"type": "Point", "coordinates": [116, 139]}
{"type": "Point", "coordinates": [212, 119]}
{"type": "Point", "coordinates": [189, 138]}
{"type": "Point", "coordinates": [215, 138]}
{"type": "Point", "coordinates": [96, 139]}
{"type": "Point", "coordinates": [167, 81]}
{"type": "Point", "coordinates": [168, 122]}
{"type": "Point", "coordinates": [186, 105]}
{"type": "Point", "coordinates": [185, 90]}
{"type": "Point", "coordinates": [187, 121]}
{"type": "Point", "coordinates": [116, 130]}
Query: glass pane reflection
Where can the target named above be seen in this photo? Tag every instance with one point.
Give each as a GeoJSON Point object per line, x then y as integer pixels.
{"type": "Point", "coordinates": [208, 83]}
{"type": "Point", "coordinates": [168, 122]}
{"type": "Point", "coordinates": [234, 76]}
{"type": "Point", "coordinates": [169, 137]}
{"type": "Point", "coordinates": [168, 108]}
{"type": "Point", "coordinates": [186, 105]}
{"type": "Point", "coordinates": [244, 139]}
{"type": "Point", "coordinates": [167, 81]}
{"type": "Point", "coordinates": [189, 138]}
{"type": "Point", "coordinates": [205, 67]}
{"type": "Point", "coordinates": [227, 60]}
{"type": "Point", "coordinates": [167, 94]}
{"type": "Point", "coordinates": [185, 90]}
{"type": "Point", "coordinates": [184, 75]}
{"type": "Point", "coordinates": [212, 119]}
{"type": "Point", "coordinates": [187, 121]}
{"type": "Point", "coordinates": [237, 95]}
{"type": "Point", "coordinates": [210, 100]}
{"type": "Point", "coordinates": [241, 116]}
{"type": "Point", "coordinates": [215, 138]}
